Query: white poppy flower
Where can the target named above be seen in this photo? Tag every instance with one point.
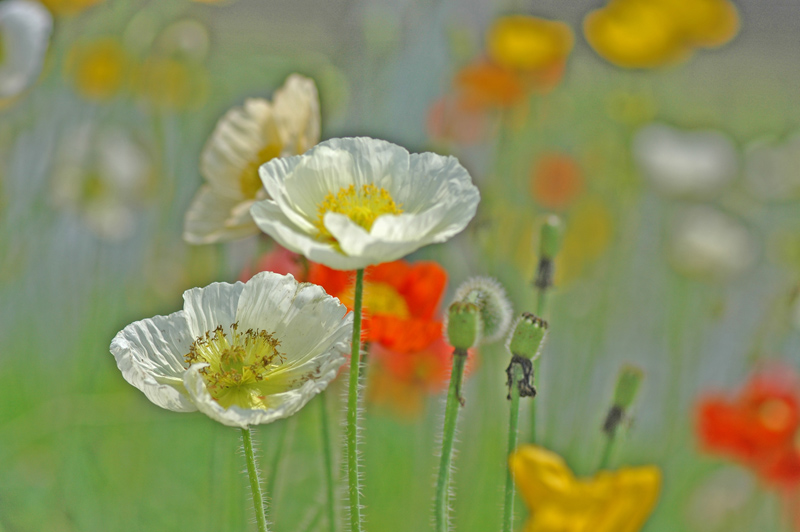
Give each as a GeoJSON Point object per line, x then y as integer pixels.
{"type": "Point", "coordinates": [101, 175]}
{"type": "Point", "coordinates": [243, 353]}
{"type": "Point", "coordinates": [243, 139]}
{"type": "Point", "coordinates": [352, 202]}
{"type": "Point", "coordinates": [708, 243]}
{"type": "Point", "coordinates": [685, 163]}
{"type": "Point", "coordinates": [25, 28]}
{"type": "Point", "coordinates": [772, 170]}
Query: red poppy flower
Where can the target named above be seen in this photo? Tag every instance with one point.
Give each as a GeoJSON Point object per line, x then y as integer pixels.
{"type": "Point", "coordinates": [400, 301]}
{"type": "Point", "coordinates": [759, 428]}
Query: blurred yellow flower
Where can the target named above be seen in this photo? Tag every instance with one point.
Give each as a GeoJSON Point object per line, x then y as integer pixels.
{"type": "Point", "coordinates": [69, 7]}
{"type": "Point", "coordinates": [611, 501]}
{"type": "Point", "coordinates": [98, 68]}
{"type": "Point", "coordinates": [651, 33]}
{"type": "Point", "coordinates": [589, 229]}
{"type": "Point", "coordinates": [172, 83]}
{"type": "Point", "coordinates": [526, 43]}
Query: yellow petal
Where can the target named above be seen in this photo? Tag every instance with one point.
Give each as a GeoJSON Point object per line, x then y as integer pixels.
{"type": "Point", "coordinates": [707, 23]}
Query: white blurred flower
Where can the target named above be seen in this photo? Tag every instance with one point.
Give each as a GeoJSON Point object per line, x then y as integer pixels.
{"type": "Point", "coordinates": [718, 498]}
{"type": "Point", "coordinates": [101, 176]}
{"type": "Point", "coordinates": [243, 353]}
{"type": "Point", "coordinates": [243, 139]}
{"type": "Point", "coordinates": [685, 163]}
{"type": "Point", "coordinates": [708, 243]}
{"type": "Point", "coordinates": [25, 28]}
{"type": "Point", "coordinates": [772, 170]}
{"type": "Point", "coordinates": [352, 202]}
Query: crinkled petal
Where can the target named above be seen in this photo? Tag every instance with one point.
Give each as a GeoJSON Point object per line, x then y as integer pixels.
{"type": "Point", "coordinates": [272, 221]}
{"type": "Point", "coordinates": [213, 217]}
{"type": "Point", "coordinates": [296, 108]}
{"type": "Point", "coordinates": [209, 307]}
{"type": "Point", "coordinates": [150, 352]}
{"type": "Point", "coordinates": [305, 319]}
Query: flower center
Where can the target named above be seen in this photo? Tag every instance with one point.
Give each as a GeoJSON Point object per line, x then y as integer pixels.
{"type": "Point", "coordinates": [379, 299]}
{"type": "Point", "coordinates": [249, 181]}
{"type": "Point", "coordinates": [238, 364]}
{"type": "Point", "coordinates": [775, 415]}
{"type": "Point", "coordinates": [362, 206]}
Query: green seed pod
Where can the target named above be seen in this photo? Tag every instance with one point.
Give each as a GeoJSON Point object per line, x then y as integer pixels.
{"type": "Point", "coordinates": [490, 298]}
{"type": "Point", "coordinates": [463, 325]}
{"type": "Point", "coordinates": [628, 383]}
{"type": "Point", "coordinates": [527, 336]}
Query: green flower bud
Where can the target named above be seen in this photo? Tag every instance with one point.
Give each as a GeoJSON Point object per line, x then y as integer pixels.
{"type": "Point", "coordinates": [490, 298]}
{"type": "Point", "coordinates": [628, 383]}
{"type": "Point", "coordinates": [550, 237]}
{"type": "Point", "coordinates": [463, 325]}
{"type": "Point", "coordinates": [527, 336]}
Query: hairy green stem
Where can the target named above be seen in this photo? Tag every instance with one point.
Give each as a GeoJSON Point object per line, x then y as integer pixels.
{"type": "Point", "coordinates": [352, 410]}
{"type": "Point", "coordinates": [442, 506]}
{"type": "Point", "coordinates": [327, 454]}
{"type": "Point", "coordinates": [513, 423]}
{"type": "Point", "coordinates": [255, 485]}
{"type": "Point", "coordinates": [541, 306]}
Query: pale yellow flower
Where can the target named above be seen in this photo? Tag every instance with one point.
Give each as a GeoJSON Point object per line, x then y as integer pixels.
{"type": "Point", "coordinates": [243, 139]}
{"type": "Point", "coordinates": [527, 43]}
{"type": "Point", "coordinates": [98, 68]}
{"type": "Point", "coordinates": [610, 501]}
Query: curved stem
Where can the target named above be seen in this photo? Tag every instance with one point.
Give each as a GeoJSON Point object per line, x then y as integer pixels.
{"type": "Point", "coordinates": [352, 410]}
{"type": "Point", "coordinates": [327, 454]}
{"type": "Point", "coordinates": [255, 484]}
{"type": "Point", "coordinates": [513, 423]}
{"type": "Point", "coordinates": [441, 508]}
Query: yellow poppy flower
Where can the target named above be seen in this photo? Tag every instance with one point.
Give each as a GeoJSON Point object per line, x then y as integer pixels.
{"type": "Point", "coordinates": [611, 501]}
{"type": "Point", "coordinates": [650, 33]}
{"type": "Point", "coordinates": [526, 43]}
{"type": "Point", "coordinates": [98, 68]}
{"type": "Point", "coordinates": [635, 34]}
{"type": "Point", "coordinates": [69, 7]}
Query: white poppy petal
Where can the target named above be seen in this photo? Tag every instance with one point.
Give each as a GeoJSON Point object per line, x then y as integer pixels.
{"type": "Point", "coordinates": [150, 352]}
{"type": "Point", "coordinates": [215, 218]}
{"type": "Point", "coordinates": [210, 307]}
{"type": "Point", "coordinates": [25, 28]}
{"type": "Point", "coordinates": [297, 113]}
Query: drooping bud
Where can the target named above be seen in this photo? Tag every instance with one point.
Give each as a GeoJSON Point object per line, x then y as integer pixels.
{"type": "Point", "coordinates": [527, 336]}
{"type": "Point", "coordinates": [628, 383]}
{"type": "Point", "coordinates": [490, 298]}
{"type": "Point", "coordinates": [463, 325]}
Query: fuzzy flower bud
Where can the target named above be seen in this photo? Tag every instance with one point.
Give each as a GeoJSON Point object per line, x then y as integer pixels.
{"type": "Point", "coordinates": [527, 336]}
{"type": "Point", "coordinates": [628, 383]}
{"type": "Point", "coordinates": [463, 325]}
{"type": "Point", "coordinates": [490, 298]}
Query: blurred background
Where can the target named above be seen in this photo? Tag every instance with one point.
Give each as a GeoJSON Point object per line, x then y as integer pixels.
{"type": "Point", "coordinates": [666, 140]}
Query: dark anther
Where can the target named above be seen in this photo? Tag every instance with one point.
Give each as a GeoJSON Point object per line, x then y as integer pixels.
{"type": "Point", "coordinates": [544, 274]}
{"type": "Point", "coordinates": [613, 419]}
{"type": "Point", "coordinates": [525, 383]}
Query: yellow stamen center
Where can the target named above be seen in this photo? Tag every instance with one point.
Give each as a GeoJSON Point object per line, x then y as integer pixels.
{"type": "Point", "coordinates": [379, 299]}
{"type": "Point", "coordinates": [362, 206]}
{"type": "Point", "coordinates": [774, 414]}
{"type": "Point", "coordinates": [249, 181]}
{"type": "Point", "coordinates": [238, 364]}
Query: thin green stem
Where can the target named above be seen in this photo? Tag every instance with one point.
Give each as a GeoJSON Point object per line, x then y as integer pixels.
{"type": "Point", "coordinates": [605, 458]}
{"type": "Point", "coordinates": [513, 434]}
{"type": "Point", "coordinates": [255, 485]}
{"type": "Point", "coordinates": [352, 410]}
{"type": "Point", "coordinates": [327, 454]}
{"type": "Point", "coordinates": [442, 506]}
{"type": "Point", "coordinates": [541, 307]}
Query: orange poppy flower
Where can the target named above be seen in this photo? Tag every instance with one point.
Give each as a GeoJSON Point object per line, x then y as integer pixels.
{"type": "Point", "coordinates": [556, 181]}
{"type": "Point", "coordinates": [759, 428]}
{"type": "Point", "coordinates": [485, 84]}
{"type": "Point", "coordinates": [400, 301]}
